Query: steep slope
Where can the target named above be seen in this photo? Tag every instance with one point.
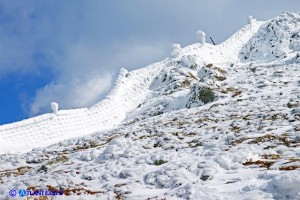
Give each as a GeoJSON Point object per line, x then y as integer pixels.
{"type": "Point", "coordinates": [209, 125]}
{"type": "Point", "coordinates": [194, 68]}
{"type": "Point", "coordinates": [131, 89]}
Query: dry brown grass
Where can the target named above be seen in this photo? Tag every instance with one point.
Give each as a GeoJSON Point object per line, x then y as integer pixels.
{"type": "Point", "coordinates": [289, 168]}
{"type": "Point", "coordinates": [261, 163]}
{"type": "Point", "coordinates": [237, 93]}
{"type": "Point", "coordinates": [39, 198]}
{"type": "Point", "coordinates": [272, 156]}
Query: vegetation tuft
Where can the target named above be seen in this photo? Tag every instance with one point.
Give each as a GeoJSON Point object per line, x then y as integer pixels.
{"type": "Point", "coordinates": [159, 162]}
{"type": "Point", "coordinates": [206, 95]}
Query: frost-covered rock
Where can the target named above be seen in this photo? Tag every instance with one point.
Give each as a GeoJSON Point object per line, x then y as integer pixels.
{"type": "Point", "coordinates": [114, 150]}
{"type": "Point", "coordinates": [163, 179]}
{"type": "Point", "coordinates": [124, 174]}
{"type": "Point", "coordinates": [295, 44]}
{"type": "Point", "coordinates": [209, 73]}
{"type": "Point", "coordinates": [185, 192]}
{"type": "Point", "coordinates": [274, 40]}
{"type": "Point", "coordinates": [203, 73]}
{"type": "Point", "coordinates": [286, 186]}
{"type": "Point", "coordinates": [86, 156]}
{"type": "Point", "coordinates": [189, 61]}
{"type": "Point", "coordinates": [88, 176]}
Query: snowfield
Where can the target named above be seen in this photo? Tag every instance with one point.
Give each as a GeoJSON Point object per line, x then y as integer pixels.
{"type": "Point", "coordinates": [210, 122]}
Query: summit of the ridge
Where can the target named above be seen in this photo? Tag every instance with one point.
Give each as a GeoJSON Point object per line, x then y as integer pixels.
{"type": "Point", "coordinates": [278, 38]}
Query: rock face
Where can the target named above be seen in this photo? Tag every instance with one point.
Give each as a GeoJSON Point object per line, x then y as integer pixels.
{"type": "Point", "coordinates": [210, 122]}
{"type": "Point", "coordinates": [276, 39]}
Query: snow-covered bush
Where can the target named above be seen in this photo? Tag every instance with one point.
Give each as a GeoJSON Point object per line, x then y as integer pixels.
{"type": "Point", "coordinates": [176, 48]}
{"type": "Point", "coordinates": [200, 95]}
{"type": "Point", "coordinates": [206, 95]}
{"type": "Point", "coordinates": [201, 37]}
{"type": "Point", "coordinates": [157, 159]}
{"type": "Point", "coordinates": [54, 107]}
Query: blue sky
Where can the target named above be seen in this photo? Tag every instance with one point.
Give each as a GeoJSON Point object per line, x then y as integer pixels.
{"type": "Point", "coordinates": [70, 51]}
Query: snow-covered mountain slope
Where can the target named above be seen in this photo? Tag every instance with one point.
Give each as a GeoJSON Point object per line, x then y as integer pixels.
{"type": "Point", "coordinates": [131, 89]}
{"type": "Point", "coordinates": [275, 40]}
{"type": "Point", "coordinates": [207, 123]}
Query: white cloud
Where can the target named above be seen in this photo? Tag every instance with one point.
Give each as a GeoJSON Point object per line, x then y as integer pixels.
{"type": "Point", "coordinates": [85, 74]}
{"type": "Point", "coordinates": [72, 93]}
{"type": "Point", "coordinates": [80, 80]}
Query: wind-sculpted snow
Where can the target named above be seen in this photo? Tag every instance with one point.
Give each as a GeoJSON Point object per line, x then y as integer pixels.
{"type": "Point", "coordinates": [130, 89]}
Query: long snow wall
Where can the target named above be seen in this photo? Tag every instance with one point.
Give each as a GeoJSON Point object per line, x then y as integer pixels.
{"type": "Point", "coordinates": [226, 51]}
{"type": "Point", "coordinates": [129, 90]}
